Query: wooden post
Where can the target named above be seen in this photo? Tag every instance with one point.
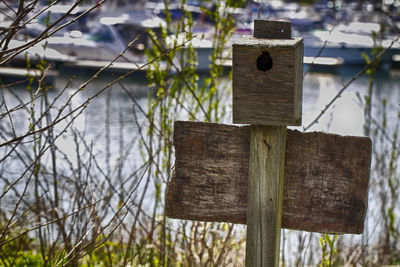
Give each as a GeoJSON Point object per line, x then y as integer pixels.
{"type": "Point", "coordinates": [269, 95]}
{"type": "Point", "coordinates": [264, 210]}
{"type": "Point", "coordinates": [326, 175]}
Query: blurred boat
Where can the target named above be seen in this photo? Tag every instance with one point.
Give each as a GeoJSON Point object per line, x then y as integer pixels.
{"type": "Point", "coordinates": [34, 54]}
{"type": "Point", "coordinates": [395, 61]}
{"type": "Point", "coordinates": [350, 42]}
{"type": "Point", "coordinates": [203, 47]}
{"type": "Point", "coordinates": [322, 64]}
{"type": "Point", "coordinates": [59, 15]}
{"type": "Point", "coordinates": [10, 75]}
{"type": "Point", "coordinates": [110, 35]}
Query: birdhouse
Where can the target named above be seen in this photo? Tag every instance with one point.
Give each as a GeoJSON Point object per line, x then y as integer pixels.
{"type": "Point", "coordinates": [268, 76]}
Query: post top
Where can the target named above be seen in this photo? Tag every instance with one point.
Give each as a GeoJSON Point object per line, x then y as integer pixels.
{"type": "Point", "coordinates": [248, 40]}
{"type": "Point", "coordinates": [270, 29]}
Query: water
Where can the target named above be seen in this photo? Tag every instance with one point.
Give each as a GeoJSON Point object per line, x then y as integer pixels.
{"type": "Point", "coordinates": [121, 108]}
{"type": "Point", "coordinates": [346, 116]}
{"type": "Point", "coordinates": [113, 114]}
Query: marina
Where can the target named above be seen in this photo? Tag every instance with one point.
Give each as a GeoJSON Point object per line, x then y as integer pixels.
{"type": "Point", "coordinates": [105, 35]}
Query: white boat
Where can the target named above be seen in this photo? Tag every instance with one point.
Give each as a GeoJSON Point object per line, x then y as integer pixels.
{"type": "Point", "coordinates": [17, 68]}
{"type": "Point", "coordinates": [348, 42]}
{"type": "Point", "coordinates": [109, 36]}
{"type": "Point", "coordinates": [61, 13]}
{"type": "Point", "coordinates": [203, 47]}
{"type": "Point", "coordinates": [35, 54]}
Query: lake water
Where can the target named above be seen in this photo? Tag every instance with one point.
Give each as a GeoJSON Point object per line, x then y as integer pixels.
{"type": "Point", "coordinates": [345, 116]}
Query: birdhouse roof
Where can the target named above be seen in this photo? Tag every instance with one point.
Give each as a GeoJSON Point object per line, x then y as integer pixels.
{"type": "Point", "coordinates": [281, 43]}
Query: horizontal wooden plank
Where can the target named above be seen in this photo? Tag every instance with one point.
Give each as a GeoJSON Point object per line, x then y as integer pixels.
{"type": "Point", "coordinates": [325, 187]}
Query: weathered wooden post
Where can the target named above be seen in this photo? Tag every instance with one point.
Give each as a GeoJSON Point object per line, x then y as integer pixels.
{"type": "Point", "coordinates": [263, 174]}
{"type": "Point", "coordinates": [267, 93]}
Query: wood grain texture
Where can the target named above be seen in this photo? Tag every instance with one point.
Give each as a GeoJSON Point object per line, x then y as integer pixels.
{"type": "Point", "coordinates": [325, 184]}
{"type": "Point", "coordinates": [205, 153]}
{"type": "Point", "coordinates": [265, 187]}
{"type": "Point", "coordinates": [271, 97]}
{"type": "Point", "coordinates": [331, 174]}
{"type": "Point", "coordinates": [298, 92]}
{"type": "Point", "coordinates": [272, 29]}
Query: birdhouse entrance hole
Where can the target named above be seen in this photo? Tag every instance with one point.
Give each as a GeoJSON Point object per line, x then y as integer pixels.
{"type": "Point", "coordinates": [264, 61]}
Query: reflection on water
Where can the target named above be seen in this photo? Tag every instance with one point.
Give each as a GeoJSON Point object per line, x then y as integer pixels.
{"type": "Point", "coordinates": [115, 108]}
{"type": "Point", "coordinates": [346, 115]}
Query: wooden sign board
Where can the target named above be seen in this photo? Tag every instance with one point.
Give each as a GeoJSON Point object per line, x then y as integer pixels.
{"type": "Point", "coordinates": [325, 180]}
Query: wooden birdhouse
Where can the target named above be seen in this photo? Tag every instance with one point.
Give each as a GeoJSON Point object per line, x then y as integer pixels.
{"type": "Point", "coordinates": [268, 76]}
